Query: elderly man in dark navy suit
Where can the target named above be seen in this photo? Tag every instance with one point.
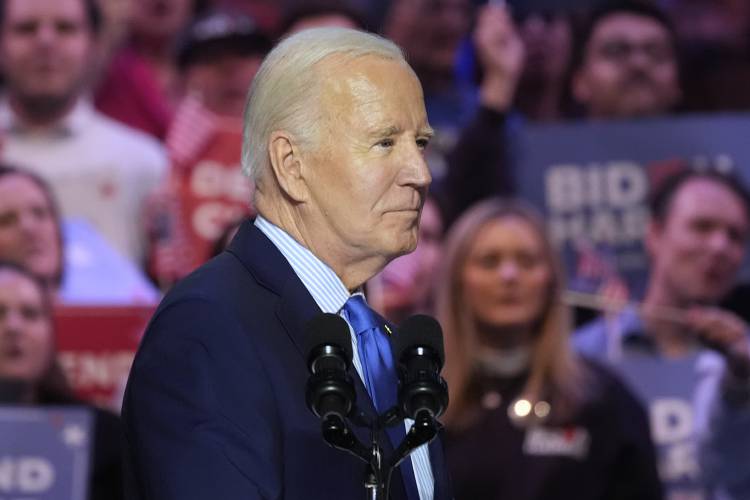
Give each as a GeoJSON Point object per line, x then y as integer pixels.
{"type": "Point", "coordinates": [335, 132]}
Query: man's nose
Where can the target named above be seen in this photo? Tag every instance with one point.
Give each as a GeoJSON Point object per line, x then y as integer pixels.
{"type": "Point", "coordinates": [639, 57]}
{"type": "Point", "coordinates": [28, 223]}
{"type": "Point", "coordinates": [46, 34]}
{"type": "Point", "coordinates": [416, 173]}
{"type": "Point", "coordinates": [720, 240]}
{"type": "Point", "coordinates": [11, 324]}
{"type": "Point", "coordinates": [507, 270]}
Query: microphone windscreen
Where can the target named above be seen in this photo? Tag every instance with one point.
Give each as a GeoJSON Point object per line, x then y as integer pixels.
{"type": "Point", "coordinates": [419, 330]}
{"type": "Point", "coordinates": [331, 329]}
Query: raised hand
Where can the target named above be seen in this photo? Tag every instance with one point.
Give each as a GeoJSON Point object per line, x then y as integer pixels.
{"type": "Point", "coordinates": [501, 53]}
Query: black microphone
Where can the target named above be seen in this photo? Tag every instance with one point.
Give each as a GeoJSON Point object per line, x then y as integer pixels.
{"type": "Point", "coordinates": [418, 347]}
{"type": "Point", "coordinates": [330, 391]}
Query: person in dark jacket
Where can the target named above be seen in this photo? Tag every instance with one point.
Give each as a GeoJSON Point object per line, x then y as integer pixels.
{"type": "Point", "coordinates": [528, 420]}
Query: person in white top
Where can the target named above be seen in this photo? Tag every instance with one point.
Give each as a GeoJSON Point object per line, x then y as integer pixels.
{"type": "Point", "coordinates": [100, 170]}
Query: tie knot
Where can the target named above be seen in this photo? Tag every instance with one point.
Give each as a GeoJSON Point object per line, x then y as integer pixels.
{"type": "Point", "coordinates": [361, 317]}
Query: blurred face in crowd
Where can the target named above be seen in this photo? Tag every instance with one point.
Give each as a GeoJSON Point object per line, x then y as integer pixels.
{"type": "Point", "coordinates": [367, 177]}
{"type": "Point", "coordinates": [547, 39]}
{"type": "Point", "coordinates": [506, 277]}
{"type": "Point", "coordinates": [222, 83]}
{"type": "Point", "coordinates": [429, 31]}
{"type": "Point", "coordinates": [332, 20]}
{"type": "Point", "coordinates": [28, 228]}
{"type": "Point", "coordinates": [408, 280]}
{"type": "Point", "coordinates": [160, 19]}
{"type": "Point", "coordinates": [45, 49]}
{"type": "Point", "coordinates": [116, 15]}
{"type": "Point", "coordinates": [629, 69]}
{"type": "Point", "coordinates": [711, 23]}
{"type": "Point", "coordinates": [698, 248]}
{"type": "Point", "coordinates": [26, 343]}
{"type": "Point", "coordinates": [430, 236]}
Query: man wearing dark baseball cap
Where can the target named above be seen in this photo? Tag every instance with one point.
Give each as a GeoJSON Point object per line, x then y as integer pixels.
{"type": "Point", "coordinates": [218, 55]}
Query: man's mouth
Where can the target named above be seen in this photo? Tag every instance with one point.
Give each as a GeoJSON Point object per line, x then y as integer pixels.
{"type": "Point", "coordinates": [12, 352]}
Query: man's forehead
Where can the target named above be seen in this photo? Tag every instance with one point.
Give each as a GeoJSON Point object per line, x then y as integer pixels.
{"type": "Point", "coordinates": [21, 288]}
{"type": "Point", "coordinates": [337, 69]}
{"type": "Point", "coordinates": [21, 10]}
{"type": "Point", "coordinates": [365, 82]}
{"type": "Point", "coordinates": [630, 25]}
{"type": "Point", "coordinates": [703, 196]}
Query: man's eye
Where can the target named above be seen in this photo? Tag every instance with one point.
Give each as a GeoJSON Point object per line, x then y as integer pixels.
{"type": "Point", "coordinates": [422, 143]}
{"type": "Point", "coordinates": [386, 143]}
{"type": "Point", "coordinates": [488, 261]}
{"type": "Point", "coordinates": [40, 212]}
{"type": "Point", "coordinates": [31, 313]}
{"type": "Point", "coordinates": [616, 50]}
{"type": "Point", "coordinates": [25, 28]}
{"type": "Point", "coordinates": [66, 27]}
{"type": "Point", "coordinates": [527, 260]}
{"type": "Point", "coordinates": [8, 218]}
{"type": "Point", "coordinates": [702, 226]}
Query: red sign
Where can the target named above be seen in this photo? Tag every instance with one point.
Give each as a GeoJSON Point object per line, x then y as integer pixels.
{"type": "Point", "coordinates": [213, 192]}
{"type": "Point", "coordinates": [96, 346]}
{"type": "Point", "coordinates": [205, 194]}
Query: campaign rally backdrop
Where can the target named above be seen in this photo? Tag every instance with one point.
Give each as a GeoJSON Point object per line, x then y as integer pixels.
{"type": "Point", "coordinates": [591, 180]}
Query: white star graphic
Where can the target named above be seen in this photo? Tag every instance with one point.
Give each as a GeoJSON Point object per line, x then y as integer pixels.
{"type": "Point", "coordinates": [73, 435]}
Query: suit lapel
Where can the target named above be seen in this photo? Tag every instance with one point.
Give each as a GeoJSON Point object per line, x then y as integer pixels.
{"type": "Point", "coordinates": [296, 307]}
{"type": "Point", "coordinates": [271, 269]}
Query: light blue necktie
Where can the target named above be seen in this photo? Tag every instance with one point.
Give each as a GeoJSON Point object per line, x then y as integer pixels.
{"type": "Point", "coordinates": [379, 374]}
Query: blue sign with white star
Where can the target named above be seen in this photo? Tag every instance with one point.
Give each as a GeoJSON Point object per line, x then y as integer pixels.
{"type": "Point", "coordinates": [45, 452]}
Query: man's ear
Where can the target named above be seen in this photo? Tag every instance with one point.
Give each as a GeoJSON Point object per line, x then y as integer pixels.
{"type": "Point", "coordinates": [286, 164]}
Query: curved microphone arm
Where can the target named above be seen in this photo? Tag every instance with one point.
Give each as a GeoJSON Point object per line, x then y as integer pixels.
{"type": "Point", "coordinates": [423, 431]}
{"type": "Point", "coordinates": [338, 434]}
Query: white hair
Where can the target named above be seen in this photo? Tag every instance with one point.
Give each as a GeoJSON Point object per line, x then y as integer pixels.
{"type": "Point", "coordinates": [285, 91]}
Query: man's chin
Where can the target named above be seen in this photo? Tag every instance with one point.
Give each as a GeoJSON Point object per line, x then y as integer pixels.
{"type": "Point", "coordinates": [405, 250]}
{"type": "Point", "coordinates": [640, 107]}
{"type": "Point", "coordinates": [406, 246]}
{"type": "Point", "coordinates": [705, 297]}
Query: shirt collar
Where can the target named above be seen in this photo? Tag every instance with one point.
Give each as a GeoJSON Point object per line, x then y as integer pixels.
{"type": "Point", "coordinates": [326, 288]}
{"type": "Point", "coordinates": [71, 124]}
{"type": "Point", "coordinates": [633, 331]}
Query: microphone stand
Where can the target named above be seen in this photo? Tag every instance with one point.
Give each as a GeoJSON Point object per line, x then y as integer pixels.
{"type": "Point", "coordinates": [377, 477]}
{"type": "Point", "coordinates": [337, 433]}
{"type": "Point", "coordinates": [422, 432]}
{"type": "Point", "coordinates": [375, 485]}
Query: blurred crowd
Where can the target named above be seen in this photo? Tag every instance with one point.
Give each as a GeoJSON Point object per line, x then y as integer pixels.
{"type": "Point", "coordinates": [120, 141]}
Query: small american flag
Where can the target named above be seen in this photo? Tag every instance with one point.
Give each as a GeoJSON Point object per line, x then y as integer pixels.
{"type": "Point", "coordinates": [191, 130]}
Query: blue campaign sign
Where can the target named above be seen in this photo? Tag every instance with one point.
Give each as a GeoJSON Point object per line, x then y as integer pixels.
{"type": "Point", "coordinates": [590, 180]}
{"type": "Point", "coordinates": [44, 453]}
{"type": "Point", "coordinates": [92, 265]}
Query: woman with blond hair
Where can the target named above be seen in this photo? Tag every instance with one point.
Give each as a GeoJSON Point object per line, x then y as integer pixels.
{"type": "Point", "coordinates": [528, 418]}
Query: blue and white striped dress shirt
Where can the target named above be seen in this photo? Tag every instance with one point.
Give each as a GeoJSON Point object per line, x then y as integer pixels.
{"type": "Point", "coordinates": [330, 294]}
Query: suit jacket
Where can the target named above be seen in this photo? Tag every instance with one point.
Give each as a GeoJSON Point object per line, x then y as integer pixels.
{"type": "Point", "coordinates": [215, 402]}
